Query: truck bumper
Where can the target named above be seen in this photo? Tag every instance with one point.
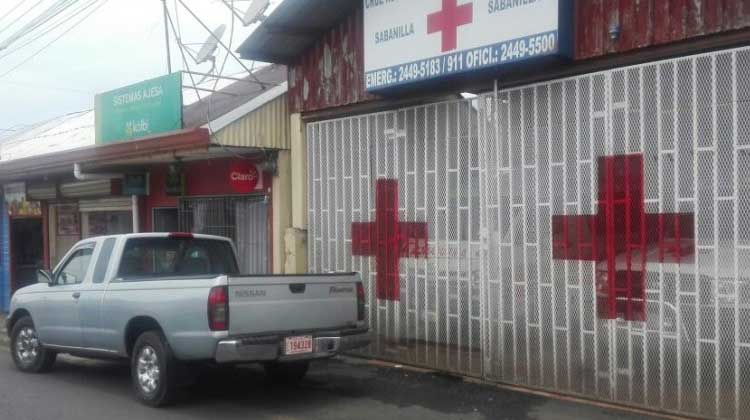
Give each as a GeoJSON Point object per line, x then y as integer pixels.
{"type": "Point", "coordinates": [271, 348]}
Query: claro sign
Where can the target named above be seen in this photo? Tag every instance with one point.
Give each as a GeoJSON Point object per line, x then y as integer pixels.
{"type": "Point", "coordinates": [244, 177]}
{"type": "Point", "coordinates": [408, 41]}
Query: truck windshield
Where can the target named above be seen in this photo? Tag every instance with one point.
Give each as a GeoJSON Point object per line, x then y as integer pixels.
{"type": "Point", "coordinates": [145, 258]}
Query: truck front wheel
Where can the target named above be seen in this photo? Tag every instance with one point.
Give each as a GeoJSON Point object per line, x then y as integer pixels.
{"type": "Point", "coordinates": [153, 369]}
{"type": "Point", "coordinates": [286, 373]}
{"type": "Point", "coordinates": [29, 354]}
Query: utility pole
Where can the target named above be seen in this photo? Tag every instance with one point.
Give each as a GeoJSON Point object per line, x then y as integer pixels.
{"type": "Point", "coordinates": [166, 37]}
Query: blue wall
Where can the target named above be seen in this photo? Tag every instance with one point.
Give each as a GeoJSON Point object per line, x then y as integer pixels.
{"type": "Point", "coordinates": [4, 257]}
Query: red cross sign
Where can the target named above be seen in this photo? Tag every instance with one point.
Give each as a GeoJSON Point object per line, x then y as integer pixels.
{"type": "Point", "coordinates": [388, 239]}
{"type": "Point", "coordinates": [621, 238]}
{"type": "Point", "coordinates": [448, 20]}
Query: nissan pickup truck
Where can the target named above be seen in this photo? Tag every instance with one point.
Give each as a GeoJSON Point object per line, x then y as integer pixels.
{"type": "Point", "coordinates": [168, 302]}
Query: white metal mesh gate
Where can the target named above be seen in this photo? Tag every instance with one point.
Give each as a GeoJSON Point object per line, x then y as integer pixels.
{"type": "Point", "coordinates": [505, 289]}
{"type": "Point", "coordinates": [244, 219]}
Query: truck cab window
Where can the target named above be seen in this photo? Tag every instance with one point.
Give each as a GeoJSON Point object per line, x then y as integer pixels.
{"type": "Point", "coordinates": [145, 258]}
{"type": "Point", "coordinates": [75, 269]}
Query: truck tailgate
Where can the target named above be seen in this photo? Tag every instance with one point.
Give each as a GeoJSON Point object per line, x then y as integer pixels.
{"type": "Point", "coordinates": [277, 304]}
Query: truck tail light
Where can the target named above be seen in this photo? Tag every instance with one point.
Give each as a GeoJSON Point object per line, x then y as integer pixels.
{"type": "Point", "coordinates": [360, 301]}
{"type": "Point", "coordinates": [218, 309]}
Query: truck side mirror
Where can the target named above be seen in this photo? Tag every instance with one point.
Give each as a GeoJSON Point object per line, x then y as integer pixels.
{"type": "Point", "coordinates": [44, 276]}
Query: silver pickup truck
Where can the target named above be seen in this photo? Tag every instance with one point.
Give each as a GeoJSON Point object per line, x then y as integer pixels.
{"type": "Point", "coordinates": [167, 301]}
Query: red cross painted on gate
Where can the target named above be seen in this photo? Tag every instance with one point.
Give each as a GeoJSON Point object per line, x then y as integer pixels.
{"type": "Point", "coordinates": [621, 238]}
{"type": "Point", "coordinates": [448, 20]}
{"type": "Point", "coordinates": [388, 239]}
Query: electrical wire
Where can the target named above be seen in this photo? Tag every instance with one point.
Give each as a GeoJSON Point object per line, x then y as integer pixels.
{"type": "Point", "coordinates": [45, 87]}
{"type": "Point", "coordinates": [12, 9]}
{"type": "Point", "coordinates": [55, 22]}
{"type": "Point", "coordinates": [15, 141]}
{"type": "Point", "coordinates": [63, 19]}
{"type": "Point", "coordinates": [39, 51]}
{"type": "Point", "coordinates": [22, 133]}
{"type": "Point", "coordinates": [21, 16]}
{"type": "Point", "coordinates": [40, 20]}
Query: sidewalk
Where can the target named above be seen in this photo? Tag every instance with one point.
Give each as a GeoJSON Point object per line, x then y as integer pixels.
{"type": "Point", "coordinates": [4, 341]}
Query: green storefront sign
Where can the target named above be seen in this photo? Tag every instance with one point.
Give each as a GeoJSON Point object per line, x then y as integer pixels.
{"type": "Point", "coordinates": [140, 110]}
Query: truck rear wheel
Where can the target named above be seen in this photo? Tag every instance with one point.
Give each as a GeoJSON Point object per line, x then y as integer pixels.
{"type": "Point", "coordinates": [286, 373]}
{"type": "Point", "coordinates": [154, 370]}
{"type": "Point", "coordinates": [28, 353]}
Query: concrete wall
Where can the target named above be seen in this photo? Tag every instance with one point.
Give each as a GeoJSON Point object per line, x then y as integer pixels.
{"type": "Point", "coordinates": [296, 235]}
{"type": "Point", "coordinates": [281, 209]}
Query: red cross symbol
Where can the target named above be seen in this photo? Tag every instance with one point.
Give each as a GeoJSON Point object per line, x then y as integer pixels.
{"type": "Point", "coordinates": [448, 20]}
{"type": "Point", "coordinates": [622, 238]}
{"type": "Point", "coordinates": [388, 239]}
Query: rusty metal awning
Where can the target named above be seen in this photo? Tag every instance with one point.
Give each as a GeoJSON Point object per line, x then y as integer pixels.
{"type": "Point", "coordinates": [293, 27]}
{"type": "Point", "coordinates": [62, 162]}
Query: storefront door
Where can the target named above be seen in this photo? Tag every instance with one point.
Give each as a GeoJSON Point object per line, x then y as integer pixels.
{"type": "Point", "coordinates": [27, 250]}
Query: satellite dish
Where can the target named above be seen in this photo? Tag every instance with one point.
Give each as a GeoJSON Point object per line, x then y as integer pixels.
{"type": "Point", "coordinates": [255, 12]}
{"type": "Point", "coordinates": [206, 53]}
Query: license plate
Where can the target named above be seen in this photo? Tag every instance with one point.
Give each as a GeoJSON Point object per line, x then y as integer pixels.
{"type": "Point", "coordinates": [298, 345]}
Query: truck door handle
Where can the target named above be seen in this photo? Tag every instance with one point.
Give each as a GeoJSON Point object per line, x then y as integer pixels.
{"type": "Point", "coordinates": [76, 295]}
{"type": "Point", "coordinates": [297, 288]}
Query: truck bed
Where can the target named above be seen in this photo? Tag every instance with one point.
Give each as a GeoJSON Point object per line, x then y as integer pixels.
{"type": "Point", "coordinates": [274, 304]}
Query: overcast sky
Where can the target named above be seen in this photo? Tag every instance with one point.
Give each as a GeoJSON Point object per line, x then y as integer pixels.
{"type": "Point", "coordinates": [119, 44]}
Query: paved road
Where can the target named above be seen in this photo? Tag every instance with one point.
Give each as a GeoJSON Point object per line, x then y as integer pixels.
{"type": "Point", "coordinates": [93, 390]}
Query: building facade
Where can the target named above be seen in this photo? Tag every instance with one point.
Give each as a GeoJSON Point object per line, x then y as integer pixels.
{"type": "Point", "coordinates": [574, 226]}
{"type": "Point", "coordinates": [225, 173]}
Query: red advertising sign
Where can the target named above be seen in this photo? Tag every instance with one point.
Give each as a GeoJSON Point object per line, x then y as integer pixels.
{"type": "Point", "coordinates": [244, 177]}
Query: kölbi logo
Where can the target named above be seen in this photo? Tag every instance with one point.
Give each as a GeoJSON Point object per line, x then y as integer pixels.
{"type": "Point", "coordinates": [244, 177]}
{"type": "Point", "coordinates": [134, 128]}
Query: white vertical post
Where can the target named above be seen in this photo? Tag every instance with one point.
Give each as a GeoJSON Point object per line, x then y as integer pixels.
{"type": "Point", "coordinates": [735, 223]}
{"type": "Point", "coordinates": [136, 219]}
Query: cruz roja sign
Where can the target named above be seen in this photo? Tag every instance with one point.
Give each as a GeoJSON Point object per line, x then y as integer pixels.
{"type": "Point", "coordinates": [409, 41]}
{"type": "Point", "coordinates": [143, 109]}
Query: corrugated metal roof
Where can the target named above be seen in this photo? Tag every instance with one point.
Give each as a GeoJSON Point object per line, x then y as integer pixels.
{"type": "Point", "coordinates": [266, 127]}
{"type": "Point", "coordinates": [292, 28]}
{"type": "Point", "coordinates": [68, 132]}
